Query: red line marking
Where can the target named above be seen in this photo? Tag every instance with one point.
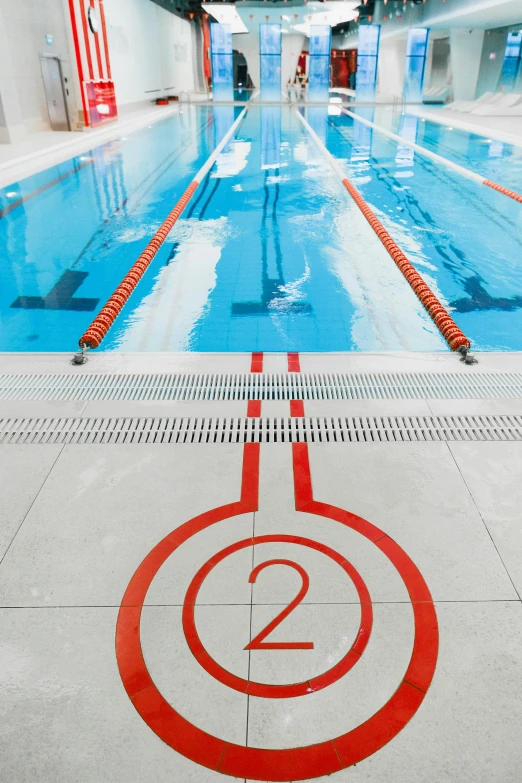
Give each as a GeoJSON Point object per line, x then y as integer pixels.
{"type": "Point", "coordinates": [257, 362]}
{"type": "Point", "coordinates": [86, 39]}
{"type": "Point", "coordinates": [264, 690]}
{"type": "Point", "coordinates": [257, 642]}
{"type": "Point", "coordinates": [506, 191]}
{"type": "Point", "coordinates": [254, 409]}
{"type": "Point", "coordinates": [98, 50]}
{"type": "Point", "coordinates": [296, 408]}
{"type": "Point", "coordinates": [288, 764]}
{"type": "Point", "coordinates": [105, 40]}
{"type": "Point", "coordinates": [79, 64]}
{"type": "Point", "coordinates": [293, 362]}
{"type": "Point", "coordinates": [18, 203]}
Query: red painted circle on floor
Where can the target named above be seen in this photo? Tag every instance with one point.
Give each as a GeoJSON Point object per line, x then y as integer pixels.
{"type": "Point", "coordinates": [270, 764]}
{"type": "Point", "coordinates": [262, 689]}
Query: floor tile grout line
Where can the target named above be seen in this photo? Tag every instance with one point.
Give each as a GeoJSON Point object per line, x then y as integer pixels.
{"type": "Point", "coordinates": [483, 521]}
{"type": "Point", "coordinates": [330, 603]}
{"type": "Point", "coordinates": [32, 504]}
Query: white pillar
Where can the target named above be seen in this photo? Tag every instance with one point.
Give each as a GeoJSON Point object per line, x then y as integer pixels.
{"type": "Point", "coordinates": [390, 75]}
{"type": "Point", "coordinates": [465, 53]}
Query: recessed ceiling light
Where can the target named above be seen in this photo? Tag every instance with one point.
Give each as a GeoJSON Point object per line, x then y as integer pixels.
{"type": "Point", "coordinates": [11, 194]}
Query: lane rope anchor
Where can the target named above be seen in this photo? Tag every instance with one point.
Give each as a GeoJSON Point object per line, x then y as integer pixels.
{"type": "Point", "coordinates": [81, 356]}
{"type": "Point", "coordinates": [467, 357]}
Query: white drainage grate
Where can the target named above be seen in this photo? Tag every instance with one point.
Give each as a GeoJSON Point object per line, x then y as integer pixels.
{"type": "Point", "coordinates": [262, 386]}
{"type": "Point", "coordinates": [262, 430]}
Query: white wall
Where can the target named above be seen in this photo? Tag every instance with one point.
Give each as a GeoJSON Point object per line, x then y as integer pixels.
{"type": "Point", "coordinates": [24, 25]}
{"type": "Point", "coordinates": [490, 69]}
{"type": "Point", "coordinates": [390, 70]}
{"type": "Point", "coordinates": [292, 46]}
{"type": "Point", "coordinates": [150, 51]}
{"type": "Point", "coordinates": [466, 54]}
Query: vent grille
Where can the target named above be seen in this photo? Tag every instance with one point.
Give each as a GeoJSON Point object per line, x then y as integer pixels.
{"type": "Point", "coordinates": [262, 386]}
{"type": "Point", "coordinates": [261, 430]}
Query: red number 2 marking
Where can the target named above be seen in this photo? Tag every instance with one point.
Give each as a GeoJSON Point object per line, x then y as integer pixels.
{"type": "Point", "coordinates": [257, 643]}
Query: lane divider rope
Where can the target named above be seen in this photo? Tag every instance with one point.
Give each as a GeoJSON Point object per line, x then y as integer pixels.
{"type": "Point", "coordinates": [472, 175]}
{"type": "Point", "coordinates": [101, 324]}
{"type": "Point", "coordinates": [453, 335]}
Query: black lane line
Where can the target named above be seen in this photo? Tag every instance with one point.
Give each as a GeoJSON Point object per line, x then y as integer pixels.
{"type": "Point", "coordinates": [61, 296]}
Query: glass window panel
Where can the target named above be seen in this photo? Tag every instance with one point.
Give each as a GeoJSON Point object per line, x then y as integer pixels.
{"type": "Point", "coordinates": [270, 38]}
{"type": "Point", "coordinates": [222, 68]}
{"type": "Point", "coordinates": [220, 38]}
{"type": "Point", "coordinates": [319, 43]}
{"type": "Point", "coordinates": [368, 39]}
{"type": "Point", "coordinates": [417, 42]}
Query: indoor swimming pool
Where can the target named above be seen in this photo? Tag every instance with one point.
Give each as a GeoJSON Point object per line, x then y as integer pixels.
{"type": "Point", "coordinates": [271, 253]}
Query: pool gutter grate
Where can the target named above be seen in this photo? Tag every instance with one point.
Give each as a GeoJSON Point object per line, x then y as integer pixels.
{"type": "Point", "coordinates": [325, 429]}
{"type": "Point", "coordinates": [261, 386]}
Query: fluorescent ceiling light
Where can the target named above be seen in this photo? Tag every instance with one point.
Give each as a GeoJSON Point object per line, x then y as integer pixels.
{"type": "Point", "coordinates": [226, 14]}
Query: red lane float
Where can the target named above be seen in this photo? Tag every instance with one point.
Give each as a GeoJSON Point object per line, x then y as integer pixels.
{"type": "Point", "coordinates": [453, 335]}
{"type": "Point", "coordinates": [110, 311]}
{"type": "Point", "coordinates": [506, 191]}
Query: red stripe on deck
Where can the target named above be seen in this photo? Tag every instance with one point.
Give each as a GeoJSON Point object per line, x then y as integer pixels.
{"type": "Point", "coordinates": [257, 362]}
{"type": "Point", "coordinates": [294, 364]}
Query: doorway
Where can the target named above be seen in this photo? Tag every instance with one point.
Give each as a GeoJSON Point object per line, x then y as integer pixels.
{"type": "Point", "coordinates": [55, 93]}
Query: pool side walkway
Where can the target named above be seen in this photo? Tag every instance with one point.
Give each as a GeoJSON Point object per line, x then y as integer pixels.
{"type": "Point", "coordinates": [418, 491]}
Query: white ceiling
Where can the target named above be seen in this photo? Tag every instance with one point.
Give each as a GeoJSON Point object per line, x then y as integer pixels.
{"type": "Point", "coordinates": [483, 14]}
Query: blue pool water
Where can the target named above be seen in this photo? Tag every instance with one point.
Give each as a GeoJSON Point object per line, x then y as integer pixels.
{"type": "Point", "coordinates": [271, 254]}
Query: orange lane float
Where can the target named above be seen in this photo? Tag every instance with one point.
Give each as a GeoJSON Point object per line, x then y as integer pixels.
{"type": "Point", "coordinates": [110, 311]}
{"type": "Point", "coordinates": [112, 308]}
{"type": "Point", "coordinates": [505, 191]}
{"type": "Point", "coordinates": [453, 335]}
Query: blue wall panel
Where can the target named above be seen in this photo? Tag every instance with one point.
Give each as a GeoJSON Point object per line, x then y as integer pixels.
{"type": "Point", "coordinates": [270, 61]}
{"type": "Point", "coordinates": [367, 61]}
{"type": "Point", "coordinates": [416, 50]}
{"type": "Point", "coordinates": [222, 72]}
{"type": "Point", "coordinates": [319, 62]}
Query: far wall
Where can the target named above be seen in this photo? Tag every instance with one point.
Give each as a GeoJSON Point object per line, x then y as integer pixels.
{"type": "Point", "coordinates": [151, 51]}
{"type": "Point", "coordinates": [23, 30]}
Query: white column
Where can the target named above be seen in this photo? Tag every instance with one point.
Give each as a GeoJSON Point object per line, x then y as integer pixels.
{"type": "Point", "coordinates": [465, 53]}
{"type": "Point", "coordinates": [390, 75]}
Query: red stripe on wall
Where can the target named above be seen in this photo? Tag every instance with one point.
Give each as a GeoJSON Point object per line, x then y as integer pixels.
{"type": "Point", "coordinates": [105, 40]}
{"type": "Point", "coordinates": [78, 60]}
{"type": "Point", "coordinates": [86, 40]}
